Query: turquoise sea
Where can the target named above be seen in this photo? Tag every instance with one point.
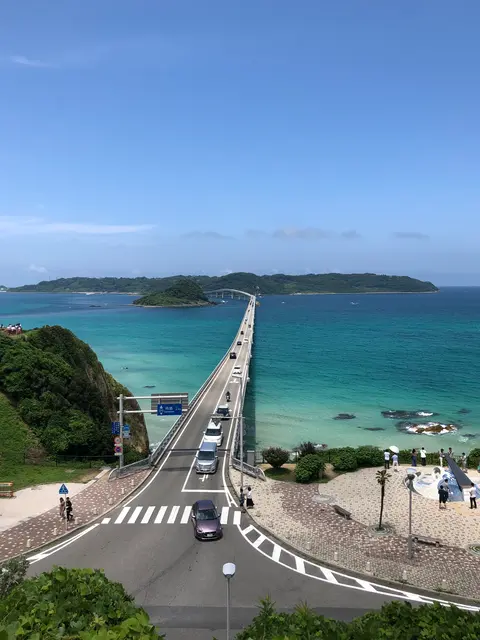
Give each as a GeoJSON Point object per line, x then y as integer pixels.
{"type": "Point", "coordinates": [314, 357]}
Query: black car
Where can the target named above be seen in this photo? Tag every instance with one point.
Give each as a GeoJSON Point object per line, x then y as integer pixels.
{"type": "Point", "coordinates": [233, 355]}
{"type": "Point", "coordinates": [239, 343]}
{"type": "Point", "coordinates": [206, 521]}
{"type": "Point", "coordinates": [241, 333]}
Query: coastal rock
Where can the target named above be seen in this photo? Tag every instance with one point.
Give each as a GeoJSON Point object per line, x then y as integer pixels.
{"type": "Point", "coordinates": [464, 411]}
{"type": "Point", "coordinates": [345, 416]}
{"type": "Point", "coordinates": [428, 428]}
{"type": "Point", "coordinates": [372, 428]}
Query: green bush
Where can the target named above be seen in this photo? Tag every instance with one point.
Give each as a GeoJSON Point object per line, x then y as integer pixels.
{"type": "Point", "coordinates": [345, 459]}
{"type": "Point", "coordinates": [275, 456]}
{"type": "Point", "coordinates": [368, 456]}
{"type": "Point", "coordinates": [309, 468]}
{"type": "Point", "coordinates": [75, 604]}
{"type": "Point", "coordinates": [395, 621]}
{"type": "Point", "coordinates": [12, 573]}
{"type": "Point", "coordinates": [305, 449]}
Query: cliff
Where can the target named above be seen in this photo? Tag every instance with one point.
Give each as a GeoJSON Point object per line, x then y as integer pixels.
{"type": "Point", "coordinates": [57, 387]}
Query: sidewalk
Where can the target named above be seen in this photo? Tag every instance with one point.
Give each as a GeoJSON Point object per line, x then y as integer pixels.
{"type": "Point", "coordinates": [302, 516]}
{"type": "Point", "coordinates": [98, 496]}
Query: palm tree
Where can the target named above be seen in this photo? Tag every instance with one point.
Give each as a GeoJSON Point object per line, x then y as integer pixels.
{"type": "Point", "coordinates": [382, 479]}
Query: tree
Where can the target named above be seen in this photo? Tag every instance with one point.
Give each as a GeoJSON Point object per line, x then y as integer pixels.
{"type": "Point", "coordinates": [276, 456]}
{"type": "Point", "coordinates": [382, 478]}
{"type": "Point", "coordinates": [12, 573]}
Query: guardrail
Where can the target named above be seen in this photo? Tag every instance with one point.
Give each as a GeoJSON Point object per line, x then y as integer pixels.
{"type": "Point", "coordinates": [157, 454]}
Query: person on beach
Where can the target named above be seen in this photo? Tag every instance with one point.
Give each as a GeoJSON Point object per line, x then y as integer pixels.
{"type": "Point", "coordinates": [443, 492]}
{"type": "Point", "coordinates": [250, 503]}
{"type": "Point", "coordinates": [62, 508]}
{"type": "Point", "coordinates": [423, 456]}
{"type": "Point", "coordinates": [69, 509]}
{"type": "Point", "coordinates": [395, 461]}
{"type": "Point", "coordinates": [414, 457]}
{"type": "Point", "coordinates": [386, 459]}
{"type": "Point", "coordinates": [473, 497]}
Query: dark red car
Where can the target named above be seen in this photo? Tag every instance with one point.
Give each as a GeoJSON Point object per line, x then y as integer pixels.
{"type": "Point", "coordinates": [206, 521]}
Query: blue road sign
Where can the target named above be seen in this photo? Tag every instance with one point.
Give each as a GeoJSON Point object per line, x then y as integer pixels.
{"type": "Point", "coordinates": [126, 430]}
{"type": "Point", "coordinates": [115, 428]}
{"type": "Point", "coordinates": [63, 490]}
{"type": "Point", "coordinates": [169, 409]}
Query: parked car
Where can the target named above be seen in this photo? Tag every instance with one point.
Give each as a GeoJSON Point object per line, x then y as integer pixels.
{"type": "Point", "coordinates": [206, 521]}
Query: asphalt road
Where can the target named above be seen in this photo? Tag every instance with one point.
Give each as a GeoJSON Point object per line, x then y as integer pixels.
{"type": "Point", "coordinates": [148, 543]}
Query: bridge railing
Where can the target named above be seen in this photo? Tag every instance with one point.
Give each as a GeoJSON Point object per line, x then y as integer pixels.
{"type": "Point", "coordinates": [163, 445]}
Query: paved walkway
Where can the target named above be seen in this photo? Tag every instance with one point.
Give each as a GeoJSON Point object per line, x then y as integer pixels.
{"type": "Point", "coordinates": [303, 517]}
{"type": "Point", "coordinates": [97, 497]}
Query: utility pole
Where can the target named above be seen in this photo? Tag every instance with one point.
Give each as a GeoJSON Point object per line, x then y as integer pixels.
{"type": "Point", "coordinates": [241, 436]}
{"type": "Point", "coordinates": [120, 419]}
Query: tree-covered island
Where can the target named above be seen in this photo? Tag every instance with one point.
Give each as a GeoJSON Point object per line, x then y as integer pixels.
{"type": "Point", "coordinates": [184, 293]}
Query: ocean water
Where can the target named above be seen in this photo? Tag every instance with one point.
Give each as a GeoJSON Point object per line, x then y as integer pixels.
{"type": "Point", "coordinates": [314, 357]}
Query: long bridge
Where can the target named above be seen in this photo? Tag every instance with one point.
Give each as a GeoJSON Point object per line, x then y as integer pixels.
{"type": "Point", "coordinates": [147, 542]}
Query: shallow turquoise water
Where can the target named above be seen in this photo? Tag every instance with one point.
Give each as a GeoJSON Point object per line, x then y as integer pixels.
{"type": "Point", "coordinates": [314, 357]}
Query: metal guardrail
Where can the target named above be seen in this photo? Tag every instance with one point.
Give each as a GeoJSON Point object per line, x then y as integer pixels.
{"type": "Point", "coordinates": [255, 472]}
{"type": "Point", "coordinates": [157, 454]}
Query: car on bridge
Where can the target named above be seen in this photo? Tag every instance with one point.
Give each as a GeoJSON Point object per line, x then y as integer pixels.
{"type": "Point", "coordinates": [223, 410]}
{"type": "Point", "coordinates": [206, 460]}
{"type": "Point", "coordinates": [233, 355]}
{"type": "Point", "coordinates": [239, 343]}
{"type": "Point", "coordinates": [213, 433]}
{"type": "Point", "coordinates": [206, 521]}
{"type": "Point", "coordinates": [237, 371]}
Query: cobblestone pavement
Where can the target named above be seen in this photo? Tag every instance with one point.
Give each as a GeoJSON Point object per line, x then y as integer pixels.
{"type": "Point", "coordinates": [87, 505]}
{"type": "Point", "coordinates": [303, 517]}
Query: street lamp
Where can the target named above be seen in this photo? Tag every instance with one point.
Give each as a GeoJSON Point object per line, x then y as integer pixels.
{"type": "Point", "coordinates": [410, 476]}
{"type": "Point", "coordinates": [228, 572]}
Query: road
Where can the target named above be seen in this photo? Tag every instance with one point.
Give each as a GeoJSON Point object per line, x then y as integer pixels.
{"type": "Point", "coordinates": [148, 544]}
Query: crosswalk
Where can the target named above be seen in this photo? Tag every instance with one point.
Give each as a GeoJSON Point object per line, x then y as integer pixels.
{"type": "Point", "coordinates": [166, 514]}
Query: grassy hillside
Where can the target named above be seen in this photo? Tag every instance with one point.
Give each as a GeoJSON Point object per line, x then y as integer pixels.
{"type": "Point", "coordinates": [184, 293]}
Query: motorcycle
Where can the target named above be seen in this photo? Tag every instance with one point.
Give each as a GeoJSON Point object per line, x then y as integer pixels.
{"type": "Point", "coordinates": [227, 396]}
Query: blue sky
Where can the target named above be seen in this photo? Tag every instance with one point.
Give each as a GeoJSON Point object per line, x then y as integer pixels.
{"type": "Point", "coordinates": [152, 137]}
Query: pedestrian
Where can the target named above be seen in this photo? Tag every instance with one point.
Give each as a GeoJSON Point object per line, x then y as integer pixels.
{"type": "Point", "coordinates": [69, 509]}
{"type": "Point", "coordinates": [386, 459]}
{"type": "Point", "coordinates": [395, 461]}
{"type": "Point", "coordinates": [450, 453]}
{"type": "Point", "coordinates": [423, 456]}
{"type": "Point", "coordinates": [463, 462]}
{"type": "Point", "coordinates": [250, 503]}
{"type": "Point", "coordinates": [414, 457]}
{"type": "Point", "coordinates": [473, 497]}
{"type": "Point", "coordinates": [241, 498]}
{"type": "Point", "coordinates": [443, 492]}
{"type": "Point", "coordinates": [441, 455]}
{"type": "Point", "coordinates": [62, 508]}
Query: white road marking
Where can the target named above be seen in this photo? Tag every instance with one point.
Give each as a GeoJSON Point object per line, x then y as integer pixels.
{"type": "Point", "coordinates": [106, 520]}
{"type": "Point", "coordinates": [259, 541]}
{"type": "Point", "coordinates": [44, 554]}
{"type": "Point", "coordinates": [186, 515]}
{"type": "Point", "coordinates": [366, 585]}
{"type": "Point", "coordinates": [300, 564]}
{"type": "Point", "coordinates": [247, 530]}
{"type": "Point", "coordinates": [147, 515]}
{"type": "Point", "coordinates": [160, 514]}
{"type": "Point", "coordinates": [123, 515]}
{"type": "Point", "coordinates": [204, 477]}
{"type": "Point", "coordinates": [135, 514]}
{"type": "Point", "coordinates": [203, 490]}
{"type": "Point", "coordinates": [329, 575]}
{"type": "Point", "coordinates": [237, 517]}
{"type": "Point", "coordinates": [173, 515]}
{"type": "Point", "coordinates": [277, 550]}
{"type": "Point", "coordinates": [224, 516]}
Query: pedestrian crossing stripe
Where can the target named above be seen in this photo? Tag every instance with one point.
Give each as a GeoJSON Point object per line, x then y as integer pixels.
{"type": "Point", "coordinates": [167, 515]}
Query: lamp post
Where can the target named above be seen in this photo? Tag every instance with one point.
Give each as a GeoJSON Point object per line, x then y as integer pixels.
{"type": "Point", "coordinates": [228, 571]}
{"type": "Point", "coordinates": [410, 476]}
{"type": "Point", "coordinates": [241, 434]}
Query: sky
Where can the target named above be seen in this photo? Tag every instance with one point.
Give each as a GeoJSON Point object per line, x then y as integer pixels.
{"type": "Point", "coordinates": [156, 137]}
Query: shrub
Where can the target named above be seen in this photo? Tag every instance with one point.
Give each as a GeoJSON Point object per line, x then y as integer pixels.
{"type": "Point", "coordinates": [368, 456]}
{"type": "Point", "coordinates": [345, 459]}
{"type": "Point", "coordinates": [12, 573]}
{"type": "Point", "coordinates": [308, 468]}
{"type": "Point", "coordinates": [73, 603]}
{"type": "Point", "coordinates": [275, 456]}
{"type": "Point", "coordinates": [305, 449]}
{"type": "Point", "coordinates": [395, 620]}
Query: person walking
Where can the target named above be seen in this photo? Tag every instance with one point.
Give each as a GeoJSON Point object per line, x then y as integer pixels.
{"type": "Point", "coordinates": [463, 462]}
{"type": "Point", "coordinates": [241, 499]}
{"type": "Point", "coordinates": [473, 497]}
{"type": "Point", "coordinates": [395, 462]}
{"type": "Point", "coordinates": [69, 509]}
{"type": "Point", "coordinates": [414, 457]}
{"type": "Point", "coordinates": [386, 459]}
{"type": "Point", "coordinates": [443, 492]}
{"type": "Point", "coordinates": [62, 508]}
{"type": "Point", "coordinates": [423, 456]}
{"type": "Point", "coordinates": [250, 503]}
{"type": "Point", "coordinates": [450, 453]}
{"type": "Point", "coordinates": [441, 455]}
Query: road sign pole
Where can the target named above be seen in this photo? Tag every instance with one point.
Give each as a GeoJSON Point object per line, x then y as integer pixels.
{"type": "Point", "coordinates": [120, 418]}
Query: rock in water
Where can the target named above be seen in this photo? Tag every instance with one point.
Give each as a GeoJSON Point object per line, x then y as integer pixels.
{"type": "Point", "coordinates": [345, 416]}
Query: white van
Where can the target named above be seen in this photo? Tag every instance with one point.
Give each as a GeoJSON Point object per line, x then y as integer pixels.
{"type": "Point", "coordinates": [213, 433]}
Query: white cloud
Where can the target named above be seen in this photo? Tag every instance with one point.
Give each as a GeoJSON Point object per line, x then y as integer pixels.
{"type": "Point", "coordinates": [25, 226]}
{"type": "Point", "coordinates": [28, 62]}
{"type": "Point", "coordinates": [37, 269]}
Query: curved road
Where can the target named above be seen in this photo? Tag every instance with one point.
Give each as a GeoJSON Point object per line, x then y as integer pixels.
{"type": "Point", "coordinates": [147, 543]}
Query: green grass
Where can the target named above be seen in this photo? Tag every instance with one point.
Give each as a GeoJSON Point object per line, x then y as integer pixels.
{"type": "Point", "coordinates": [28, 475]}
{"type": "Point", "coordinates": [15, 436]}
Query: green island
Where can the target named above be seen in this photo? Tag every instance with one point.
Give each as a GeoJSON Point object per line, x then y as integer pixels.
{"type": "Point", "coordinates": [277, 284]}
{"type": "Point", "coordinates": [184, 293]}
{"type": "Point", "coordinates": [57, 403]}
